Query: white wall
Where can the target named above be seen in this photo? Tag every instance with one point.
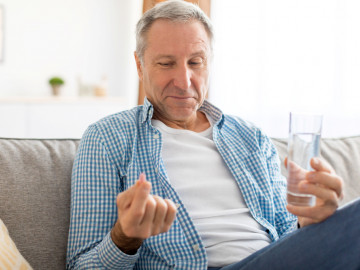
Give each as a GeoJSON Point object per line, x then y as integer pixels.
{"type": "Point", "coordinates": [69, 38]}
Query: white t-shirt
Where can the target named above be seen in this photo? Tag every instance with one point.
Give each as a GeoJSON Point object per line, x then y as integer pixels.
{"type": "Point", "coordinates": [211, 195]}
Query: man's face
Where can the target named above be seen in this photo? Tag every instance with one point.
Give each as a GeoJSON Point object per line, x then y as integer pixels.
{"type": "Point", "coordinates": [175, 70]}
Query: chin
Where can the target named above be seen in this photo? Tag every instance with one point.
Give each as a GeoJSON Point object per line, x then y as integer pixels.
{"type": "Point", "coordinates": [182, 114]}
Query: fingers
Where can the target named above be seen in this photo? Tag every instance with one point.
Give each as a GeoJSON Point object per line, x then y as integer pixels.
{"type": "Point", "coordinates": [319, 164]}
{"type": "Point", "coordinates": [295, 171]}
{"type": "Point", "coordinates": [140, 200]}
{"type": "Point", "coordinates": [159, 216]}
{"type": "Point", "coordinates": [310, 215]}
{"type": "Point", "coordinates": [324, 179]}
{"type": "Point", "coordinates": [146, 226]}
{"type": "Point", "coordinates": [141, 214]}
{"type": "Point", "coordinates": [124, 199]}
{"type": "Point", "coordinates": [325, 176]}
{"type": "Point", "coordinates": [327, 196]}
{"type": "Point", "coordinates": [170, 214]}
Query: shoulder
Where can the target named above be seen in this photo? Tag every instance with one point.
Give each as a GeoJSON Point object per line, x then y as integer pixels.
{"type": "Point", "coordinates": [117, 130]}
{"type": "Point", "coordinates": [121, 119]}
{"type": "Point", "coordinates": [241, 127]}
{"type": "Point", "coordinates": [251, 135]}
{"type": "Point", "coordinates": [121, 123]}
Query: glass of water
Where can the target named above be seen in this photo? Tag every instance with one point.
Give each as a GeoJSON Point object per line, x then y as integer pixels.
{"type": "Point", "coordinates": [304, 144]}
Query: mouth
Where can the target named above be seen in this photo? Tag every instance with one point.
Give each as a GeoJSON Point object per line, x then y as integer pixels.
{"type": "Point", "coordinates": [180, 97]}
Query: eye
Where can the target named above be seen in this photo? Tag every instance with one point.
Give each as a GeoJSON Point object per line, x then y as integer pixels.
{"type": "Point", "coordinates": [196, 61]}
{"type": "Point", "coordinates": [165, 64]}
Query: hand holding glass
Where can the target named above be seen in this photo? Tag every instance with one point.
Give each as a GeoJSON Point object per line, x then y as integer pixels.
{"type": "Point", "coordinates": [304, 144]}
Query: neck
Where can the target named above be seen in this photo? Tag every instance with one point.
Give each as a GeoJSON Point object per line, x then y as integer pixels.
{"type": "Point", "coordinates": [198, 123]}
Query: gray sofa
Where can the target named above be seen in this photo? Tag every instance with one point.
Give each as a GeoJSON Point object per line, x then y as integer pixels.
{"type": "Point", "coordinates": [35, 190]}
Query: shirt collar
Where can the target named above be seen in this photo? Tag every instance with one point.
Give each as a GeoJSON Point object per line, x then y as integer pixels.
{"type": "Point", "coordinates": [213, 112]}
{"type": "Point", "coordinates": [207, 107]}
{"type": "Point", "coordinates": [148, 111]}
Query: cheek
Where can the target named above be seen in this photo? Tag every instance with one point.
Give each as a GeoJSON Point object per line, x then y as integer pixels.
{"type": "Point", "coordinates": [157, 81]}
{"type": "Point", "coordinates": [202, 84]}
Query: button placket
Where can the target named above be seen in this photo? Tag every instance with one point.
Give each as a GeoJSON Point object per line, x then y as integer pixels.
{"type": "Point", "coordinates": [196, 247]}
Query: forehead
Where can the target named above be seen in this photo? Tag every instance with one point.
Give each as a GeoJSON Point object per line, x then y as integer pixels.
{"type": "Point", "coordinates": [165, 36]}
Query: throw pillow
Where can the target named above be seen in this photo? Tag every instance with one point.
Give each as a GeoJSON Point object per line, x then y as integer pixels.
{"type": "Point", "coordinates": [10, 257]}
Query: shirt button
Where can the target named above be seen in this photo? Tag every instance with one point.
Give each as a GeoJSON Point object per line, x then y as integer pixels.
{"type": "Point", "coordinates": [177, 205]}
{"type": "Point", "coordinates": [196, 247]}
{"type": "Point", "coordinates": [156, 170]}
{"type": "Point", "coordinates": [156, 136]}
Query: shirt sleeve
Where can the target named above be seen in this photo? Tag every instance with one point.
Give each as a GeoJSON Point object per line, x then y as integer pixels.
{"type": "Point", "coordinates": [94, 187]}
{"type": "Point", "coordinates": [285, 222]}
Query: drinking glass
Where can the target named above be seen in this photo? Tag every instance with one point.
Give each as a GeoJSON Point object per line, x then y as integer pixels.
{"type": "Point", "coordinates": [304, 144]}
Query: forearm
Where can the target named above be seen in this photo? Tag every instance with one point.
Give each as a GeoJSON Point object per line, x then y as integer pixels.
{"type": "Point", "coordinates": [127, 245]}
{"type": "Point", "coordinates": [106, 255]}
{"type": "Point", "coordinates": [285, 222]}
{"type": "Point", "coordinates": [93, 209]}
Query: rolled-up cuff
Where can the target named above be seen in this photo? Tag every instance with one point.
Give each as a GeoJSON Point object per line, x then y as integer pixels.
{"type": "Point", "coordinates": [112, 257]}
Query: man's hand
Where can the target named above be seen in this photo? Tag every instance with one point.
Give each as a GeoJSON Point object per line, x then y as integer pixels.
{"type": "Point", "coordinates": [327, 188]}
{"type": "Point", "coordinates": [140, 215]}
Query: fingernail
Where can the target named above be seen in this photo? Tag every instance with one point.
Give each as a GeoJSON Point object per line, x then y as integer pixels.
{"type": "Point", "coordinates": [142, 179]}
{"type": "Point", "coordinates": [316, 161]}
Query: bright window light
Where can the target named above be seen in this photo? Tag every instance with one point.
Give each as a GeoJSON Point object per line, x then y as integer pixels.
{"type": "Point", "coordinates": [273, 57]}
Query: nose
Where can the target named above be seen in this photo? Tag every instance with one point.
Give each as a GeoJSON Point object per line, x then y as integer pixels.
{"type": "Point", "coordinates": [182, 77]}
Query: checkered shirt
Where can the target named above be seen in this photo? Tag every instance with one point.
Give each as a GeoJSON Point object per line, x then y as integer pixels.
{"type": "Point", "coordinates": [115, 150]}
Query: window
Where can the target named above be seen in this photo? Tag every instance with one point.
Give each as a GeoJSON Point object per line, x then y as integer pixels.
{"type": "Point", "coordinates": [273, 57]}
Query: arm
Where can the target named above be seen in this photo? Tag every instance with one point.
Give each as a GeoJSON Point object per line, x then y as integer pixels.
{"type": "Point", "coordinates": [95, 185]}
{"type": "Point", "coordinates": [96, 205]}
{"type": "Point", "coordinates": [285, 222]}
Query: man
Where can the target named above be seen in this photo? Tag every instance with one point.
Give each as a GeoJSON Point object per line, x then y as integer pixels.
{"type": "Point", "coordinates": [176, 184]}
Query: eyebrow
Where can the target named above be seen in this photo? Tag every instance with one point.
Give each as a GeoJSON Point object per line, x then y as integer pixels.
{"type": "Point", "coordinates": [199, 53]}
{"type": "Point", "coordinates": [169, 56]}
{"type": "Point", "coordinates": [163, 56]}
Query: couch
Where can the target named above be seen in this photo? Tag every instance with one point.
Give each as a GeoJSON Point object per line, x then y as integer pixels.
{"type": "Point", "coordinates": [35, 183]}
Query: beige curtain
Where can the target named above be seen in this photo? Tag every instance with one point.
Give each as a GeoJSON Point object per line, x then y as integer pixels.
{"type": "Point", "coordinates": [147, 4]}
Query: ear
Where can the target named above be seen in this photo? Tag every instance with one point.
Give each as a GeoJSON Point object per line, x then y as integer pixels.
{"type": "Point", "coordinates": [138, 66]}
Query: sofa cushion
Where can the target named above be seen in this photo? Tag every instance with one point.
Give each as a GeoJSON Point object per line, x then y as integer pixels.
{"type": "Point", "coordinates": [35, 197]}
{"type": "Point", "coordinates": [10, 257]}
{"type": "Point", "coordinates": [343, 154]}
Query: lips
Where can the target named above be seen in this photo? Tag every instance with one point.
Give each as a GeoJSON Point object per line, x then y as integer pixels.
{"type": "Point", "coordinates": [180, 97]}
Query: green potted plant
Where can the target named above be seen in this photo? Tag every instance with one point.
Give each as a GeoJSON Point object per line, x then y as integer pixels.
{"type": "Point", "coordinates": [55, 83]}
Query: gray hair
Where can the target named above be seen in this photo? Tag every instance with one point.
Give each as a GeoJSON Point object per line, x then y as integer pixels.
{"type": "Point", "coordinates": [175, 11]}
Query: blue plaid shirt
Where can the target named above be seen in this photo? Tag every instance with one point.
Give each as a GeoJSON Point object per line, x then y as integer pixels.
{"type": "Point", "coordinates": [112, 154]}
